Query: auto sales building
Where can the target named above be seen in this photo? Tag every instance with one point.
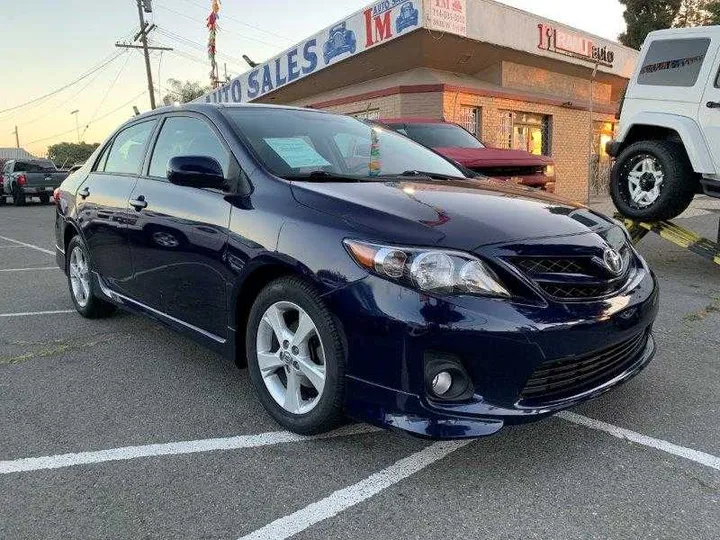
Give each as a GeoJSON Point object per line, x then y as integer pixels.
{"type": "Point", "coordinates": [514, 79]}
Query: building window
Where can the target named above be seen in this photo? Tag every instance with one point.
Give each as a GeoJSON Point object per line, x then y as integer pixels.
{"type": "Point", "coordinates": [470, 118]}
{"type": "Point", "coordinates": [366, 114]}
{"type": "Point", "coordinates": [525, 131]}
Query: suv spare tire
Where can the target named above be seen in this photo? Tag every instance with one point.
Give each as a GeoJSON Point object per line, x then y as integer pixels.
{"type": "Point", "coordinates": [653, 181]}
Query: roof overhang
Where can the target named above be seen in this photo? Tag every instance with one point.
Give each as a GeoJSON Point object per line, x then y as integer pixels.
{"type": "Point", "coordinates": [391, 36]}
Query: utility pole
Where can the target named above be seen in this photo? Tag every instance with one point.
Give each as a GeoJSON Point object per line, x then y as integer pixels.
{"type": "Point", "coordinates": [145, 29]}
{"type": "Point", "coordinates": [591, 168]}
{"type": "Point", "coordinates": [17, 137]}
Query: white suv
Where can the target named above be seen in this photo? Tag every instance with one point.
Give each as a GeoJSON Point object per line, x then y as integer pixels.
{"type": "Point", "coordinates": [668, 142]}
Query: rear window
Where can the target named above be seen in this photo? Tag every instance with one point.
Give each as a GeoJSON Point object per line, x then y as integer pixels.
{"type": "Point", "coordinates": [35, 166]}
{"type": "Point", "coordinates": [439, 135]}
{"type": "Point", "coordinates": [673, 62]}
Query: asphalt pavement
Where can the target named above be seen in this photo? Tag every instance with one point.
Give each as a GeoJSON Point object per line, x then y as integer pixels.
{"type": "Point", "coordinates": [119, 428]}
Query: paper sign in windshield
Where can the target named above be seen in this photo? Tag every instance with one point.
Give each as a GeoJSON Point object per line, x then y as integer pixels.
{"type": "Point", "coordinates": [297, 152]}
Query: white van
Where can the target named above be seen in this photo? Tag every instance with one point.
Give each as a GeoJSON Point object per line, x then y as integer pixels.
{"type": "Point", "coordinates": [668, 143]}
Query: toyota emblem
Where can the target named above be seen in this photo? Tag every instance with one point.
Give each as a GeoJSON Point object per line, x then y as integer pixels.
{"type": "Point", "coordinates": [613, 261]}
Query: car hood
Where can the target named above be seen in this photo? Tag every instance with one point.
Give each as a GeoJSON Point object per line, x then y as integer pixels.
{"type": "Point", "coordinates": [454, 214]}
{"type": "Point", "coordinates": [493, 157]}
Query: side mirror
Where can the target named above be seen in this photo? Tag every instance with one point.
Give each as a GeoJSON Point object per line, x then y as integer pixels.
{"type": "Point", "coordinates": [196, 171]}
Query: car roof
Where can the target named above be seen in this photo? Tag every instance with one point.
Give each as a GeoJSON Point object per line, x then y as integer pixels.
{"type": "Point", "coordinates": [206, 107]}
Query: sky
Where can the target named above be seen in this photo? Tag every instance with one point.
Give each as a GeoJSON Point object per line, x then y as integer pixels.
{"type": "Point", "coordinates": [47, 44]}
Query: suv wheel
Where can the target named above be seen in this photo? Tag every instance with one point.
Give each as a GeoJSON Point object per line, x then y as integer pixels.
{"type": "Point", "coordinates": [80, 282]}
{"type": "Point", "coordinates": [653, 181]}
{"type": "Point", "coordinates": [296, 357]}
{"type": "Point", "coordinates": [18, 196]}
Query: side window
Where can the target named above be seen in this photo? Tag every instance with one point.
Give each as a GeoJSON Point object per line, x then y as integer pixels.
{"type": "Point", "coordinates": [673, 62]}
{"type": "Point", "coordinates": [128, 149]}
{"type": "Point", "coordinates": [186, 136]}
{"type": "Point", "coordinates": [100, 165]}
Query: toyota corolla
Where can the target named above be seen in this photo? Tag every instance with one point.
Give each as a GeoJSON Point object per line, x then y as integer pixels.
{"type": "Point", "coordinates": [353, 271]}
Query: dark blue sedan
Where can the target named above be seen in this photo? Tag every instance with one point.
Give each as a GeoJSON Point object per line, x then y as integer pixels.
{"type": "Point", "coordinates": [355, 272]}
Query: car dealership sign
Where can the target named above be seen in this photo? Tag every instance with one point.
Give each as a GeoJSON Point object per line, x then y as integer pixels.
{"type": "Point", "coordinates": [378, 23]}
{"type": "Point", "coordinates": [562, 42]}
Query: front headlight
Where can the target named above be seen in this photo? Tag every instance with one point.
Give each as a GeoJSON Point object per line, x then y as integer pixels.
{"type": "Point", "coordinates": [550, 171]}
{"type": "Point", "coordinates": [439, 271]}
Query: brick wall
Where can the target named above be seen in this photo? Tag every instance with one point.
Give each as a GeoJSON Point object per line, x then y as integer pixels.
{"type": "Point", "coordinates": [569, 128]}
{"type": "Point", "coordinates": [569, 135]}
{"type": "Point", "coordinates": [533, 79]}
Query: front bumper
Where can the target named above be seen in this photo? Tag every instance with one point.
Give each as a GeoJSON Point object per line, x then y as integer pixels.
{"type": "Point", "coordinates": [613, 148]}
{"type": "Point", "coordinates": [390, 328]}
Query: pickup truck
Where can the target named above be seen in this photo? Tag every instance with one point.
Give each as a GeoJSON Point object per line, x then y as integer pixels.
{"type": "Point", "coordinates": [454, 142]}
{"type": "Point", "coordinates": [21, 179]}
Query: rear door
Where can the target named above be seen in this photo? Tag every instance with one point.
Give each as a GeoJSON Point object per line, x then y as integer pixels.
{"type": "Point", "coordinates": [179, 234]}
{"type": "Point", "coordinates": [102, 203]}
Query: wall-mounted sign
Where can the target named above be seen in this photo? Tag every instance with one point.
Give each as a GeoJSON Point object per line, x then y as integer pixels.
{"type": "Point", "coordinates": [448, 16]}
{"type": "Point", "coordinates": [381, 22]}
{"type": "Point", "coordinates": [562, 42]}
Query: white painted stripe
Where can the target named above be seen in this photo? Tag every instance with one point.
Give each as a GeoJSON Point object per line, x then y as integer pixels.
{"type": "Point", "coordinates": [30, 269]}
{"type": "Point", "coordinates": [31, 246]}
{"type": "Point", "coordinates": [170, 449]}
{"type": "Point", "coordinates": [32, 313]}
{"type": "Point", "coordinates": [621, 433]}
{"type": "Point", "coordinates": [345, 498]}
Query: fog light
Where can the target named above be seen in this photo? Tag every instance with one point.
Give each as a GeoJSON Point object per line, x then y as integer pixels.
{"type": "Point", "coordinates": [442, 383]}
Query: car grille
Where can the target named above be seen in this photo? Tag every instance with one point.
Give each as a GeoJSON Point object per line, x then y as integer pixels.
{"type": "Point", "coordinates": [556, 380]}
{"type": "Point", "coordinates": [574, 278]}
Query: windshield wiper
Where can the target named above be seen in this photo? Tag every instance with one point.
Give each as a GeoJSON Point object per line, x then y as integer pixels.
{"type": "Point", "coordinates": [324, 176]}
{"type": "Point", "coordinates": [425, 174]}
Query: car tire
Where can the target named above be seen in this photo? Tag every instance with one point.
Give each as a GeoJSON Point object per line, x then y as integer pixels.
{"type": "Point", "coordinates": [79, 276]}
{"type": "Point", "coordinates": [2, 197]}
{"type": "Point", "coordinates": [283, 365]}
{"type": "Point", "coordinates": [19, 198]}
{"type": "Point", "coordinates": [44, 199]}
{"type": "Point", "coordinates": [644, 165]}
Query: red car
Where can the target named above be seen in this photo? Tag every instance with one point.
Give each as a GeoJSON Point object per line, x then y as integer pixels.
{"type": "Point", "coordinates": [454, 142]}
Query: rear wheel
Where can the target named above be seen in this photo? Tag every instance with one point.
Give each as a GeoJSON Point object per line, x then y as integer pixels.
{"type": "Point", "coordinates": [653, 181]}
{"type": "Point", "coordinates": [296, 357]}
{"type": "Point", "coordinates": [80, 282]}
{"type": "Point", "coordinates": [44, 198]}
{"type": "Point", "coordinates": [19, 196]}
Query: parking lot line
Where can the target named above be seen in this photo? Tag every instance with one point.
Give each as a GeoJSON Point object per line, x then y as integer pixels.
{"type": "Point", "coordinates": [31, 246]}
{"type": "Point", "coordinates": [31, 313]}
{"type": "Point", "coordinates": [345, 498]}
{"type": "Point", "coordinates": [171, 449]}
{"type": "Point", "coordinates": [621, 433]}
{"type": "Point", "coordinates": [31, 269]}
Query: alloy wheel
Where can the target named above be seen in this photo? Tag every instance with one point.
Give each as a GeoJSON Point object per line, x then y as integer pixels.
{"type": "Point", "coordinates": [80, 276]}
{"type": "Point", "coordinates": [645, 181]}
{"type": "Point", "coordinates": [291, 357]}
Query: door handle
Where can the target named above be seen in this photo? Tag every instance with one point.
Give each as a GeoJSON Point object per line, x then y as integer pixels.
{"type": "Point", "coordinates": [713, 104]}
{"type": "Point", "coordinates": [85, 193]}
{"type": "Point", "coordinates": [139, 203]}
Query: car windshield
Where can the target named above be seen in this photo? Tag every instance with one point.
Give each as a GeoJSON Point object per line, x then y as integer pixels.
{"type": "Point", "coordinates": [439, 135]}
{"type": "Point", "coordinates": [300, 144]}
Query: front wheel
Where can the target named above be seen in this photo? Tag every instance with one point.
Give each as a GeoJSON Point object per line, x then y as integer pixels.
{"type": "Point", "coordinates": [81, 284]}
{"type": "Point", "coordinates": [296, 357]}
{"type": "Point", "coordinates": [653, 181]}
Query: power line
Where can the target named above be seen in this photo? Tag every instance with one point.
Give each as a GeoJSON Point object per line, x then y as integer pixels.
{"type": "Point", "coordinates": [82, 77]}
{"type": "Point", "coordinates": [63, 103]}
{"type": "Point", "coordinates": [194, 44]}
{"type": "Point", "coordinates": [242, 36]}
{"type": "Point", "coordinates": [107, 92]}
{"type": "Point", "coordinates": [228, 17]}
{"type": "Point", "coordinates": [93, 121]}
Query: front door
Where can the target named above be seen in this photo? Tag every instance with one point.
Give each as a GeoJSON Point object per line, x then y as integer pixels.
{"type": "Point", "coordinates": [102, 203]}
{"type": "Point", "coordinates": [179, 234]}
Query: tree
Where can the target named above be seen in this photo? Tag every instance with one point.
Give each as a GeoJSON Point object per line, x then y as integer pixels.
{"type": "Point", "coordinates": [693, 13]}
{"type": "Point", "coordinates": [183, 92]}
{"type": "Point", "coordinates": [67, 154]}
{"type": "Point", "coordinates": [713, 10]}
{"type": "Point", "coordinates": [645, 16]}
